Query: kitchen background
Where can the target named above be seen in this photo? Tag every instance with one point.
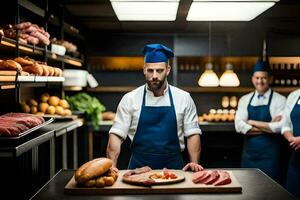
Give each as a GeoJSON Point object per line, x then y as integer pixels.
{"type": "Point", "coordinates": [111, 51]}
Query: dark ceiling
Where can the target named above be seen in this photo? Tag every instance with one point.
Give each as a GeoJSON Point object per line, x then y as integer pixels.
{"type": "Point", "coordinates": [98, 16]}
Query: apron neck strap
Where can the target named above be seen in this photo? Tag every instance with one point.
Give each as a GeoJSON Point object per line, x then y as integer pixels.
{"type": "Point", "coordinates": [170, 96]}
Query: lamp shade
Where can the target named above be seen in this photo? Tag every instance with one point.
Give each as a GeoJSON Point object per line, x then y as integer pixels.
{"type": "Point", "coordinates": [229, 77]}
{"type": "Point", "coordinates": [209, 78]}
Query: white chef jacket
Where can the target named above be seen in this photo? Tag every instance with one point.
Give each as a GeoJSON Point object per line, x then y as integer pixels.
{"type": "Point", "coordinates": [129, 109]}
{"type": "Point", "coordinates": [290, 103]}
{"type": "Point", "coordinates": [276, 108]}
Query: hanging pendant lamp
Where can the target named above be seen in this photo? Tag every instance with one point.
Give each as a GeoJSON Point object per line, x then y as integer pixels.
{"type": "Point", "coordinates": [229, 77]}
{"type": "Point", "coordinates": [209, 78]}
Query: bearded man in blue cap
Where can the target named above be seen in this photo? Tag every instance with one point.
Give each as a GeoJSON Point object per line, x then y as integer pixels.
{"type": "Point", "coordinates": [259, 117]}
{"type": "Point", "coordinates": [156, 117]}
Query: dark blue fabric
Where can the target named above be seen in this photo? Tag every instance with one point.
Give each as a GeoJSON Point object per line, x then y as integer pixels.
{"type": "Point", "coordinates": [293, 175]}
{"type": "Point", "coordinates": [156, 142]}
{"type": "Point", "coordinates": [261, 66]}
{"type": "Point", "coordinates": [262, 151]}
{"type": "Point", "coordinates": [157, 53]}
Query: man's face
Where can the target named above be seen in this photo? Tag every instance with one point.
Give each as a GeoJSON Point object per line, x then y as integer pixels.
{"type": "Point", "coordinates": [156, 74]}
{"type": "Point", "coordinates": [261, 81]}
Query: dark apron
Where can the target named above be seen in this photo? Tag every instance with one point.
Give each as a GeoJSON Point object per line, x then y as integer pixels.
{"type": "Point", "coordinates": [156, 143]}
{"type": "Point", "coordinates": [293, 175]}
{"type": "Point", "coordinates": [262, 151]}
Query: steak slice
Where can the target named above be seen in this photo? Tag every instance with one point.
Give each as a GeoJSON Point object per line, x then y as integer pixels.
{"type": "Point", "coordinates": [213, 177]}
{"type": "Point", "coordinates": [224, 179]}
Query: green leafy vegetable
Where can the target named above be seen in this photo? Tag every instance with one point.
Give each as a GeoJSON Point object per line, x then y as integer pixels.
{"type": "Point", "coordinates": [90, 105]}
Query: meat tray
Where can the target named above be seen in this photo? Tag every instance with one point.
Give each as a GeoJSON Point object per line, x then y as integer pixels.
{"type": "Point", "coordinates": [48, 120]}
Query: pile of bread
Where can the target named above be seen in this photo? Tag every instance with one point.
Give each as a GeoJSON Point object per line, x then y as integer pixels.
{"type": "Point", "coordinates": [28, 33]}
{"type": "Point", "coordinates": [219, 115]}
{"type": "Point", "coordinates": [51, 105]}
{"type": "Point", "coordinates": [96, 173]}
{"type": "Point", "coordinates": [31, 66]}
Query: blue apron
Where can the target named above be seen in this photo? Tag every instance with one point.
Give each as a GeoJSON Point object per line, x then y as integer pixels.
{"type": "Point", "coordinates": [262, 151]}
{"type": "Point", "coordinates": [293, 175]}
{"type": "Point", "coordinates": [156, 143]}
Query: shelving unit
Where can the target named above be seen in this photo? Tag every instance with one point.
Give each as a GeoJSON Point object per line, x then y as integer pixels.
{"type": "Point", "coordinates": [36, 50]}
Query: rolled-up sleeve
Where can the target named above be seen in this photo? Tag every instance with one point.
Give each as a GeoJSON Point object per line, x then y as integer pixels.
{"type": "Point", "coordinates": [190, 120]}
{"type": "Point", "coordinates": [123, 119]}
{"type": "Point", "coordinates": [241, 116]}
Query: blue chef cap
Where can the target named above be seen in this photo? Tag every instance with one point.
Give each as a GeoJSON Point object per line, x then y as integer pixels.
{"type": "Point", "coordinates": [261, 66]}
{"type": "Point", "coordinates": [157, 53]}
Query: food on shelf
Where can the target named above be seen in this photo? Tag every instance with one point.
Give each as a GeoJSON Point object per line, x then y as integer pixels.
{"type": "Point", "coordinates": [28, 33]}
{"type": "Point", "coordinates": [219, 115]}
{"type": "Point", "coordinates": [13, 124]}
{"type": "Point", "coordinates": [70, 47]}
{"type": "Point", "coordinates": [90, 105]}
{"type": "Point", "coordinates": [45, 97]}
{"type": "Point", "coordinates": [51, 105]}
{"type": "Point", "coordinates": [10, 65]}
{"type": "Point", "coordinates": [225, 101]}
{"type": "Point", "coordinates": [37, 67]}
{"type": "Point", "coordinates": [233, 101]}
{"type": "Point", "coordinates": [96, 173]}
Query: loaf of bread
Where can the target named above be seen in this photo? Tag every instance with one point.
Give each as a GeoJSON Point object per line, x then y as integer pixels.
{"type": "Point", "coordinates": [24, 61]}
{"type": "Point", "coordinates": [92, 170]}
{"type": "Point", "coordinates": [34, 69]}
{"type": "Point", "coordinates": [10, 65]}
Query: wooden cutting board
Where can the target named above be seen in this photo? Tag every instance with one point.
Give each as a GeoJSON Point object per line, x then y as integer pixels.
{"type": "Point", "coordinates": [186, 186]}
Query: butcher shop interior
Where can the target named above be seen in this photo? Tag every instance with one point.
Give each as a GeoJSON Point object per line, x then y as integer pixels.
{"type": "Point", "coordinates": [140, 99]}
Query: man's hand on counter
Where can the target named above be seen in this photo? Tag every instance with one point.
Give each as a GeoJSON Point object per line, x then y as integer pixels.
{"type": "Point", "coordinates": [193, 167]}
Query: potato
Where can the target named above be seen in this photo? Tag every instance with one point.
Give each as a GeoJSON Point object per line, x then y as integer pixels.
{"type": "Point", "coordinates": [43, 107]}
{"type": "Point", "coordinates": [50, 110]}
{"type": "Point", "coordinates": [53, 100]}
{"type": "Point", "coordinates": [68, 112]}
{"type": "Point", "coordinates": [63, 103]}
{"type": "Point", "coordinates": [33, 109]}
{"type": "Point", "coordinates": [25, 108]}
{"type": "Point", "coordinates": [45, 97]}
{"type": "Point", "coordinates": [32, 102]}
{"type": "Point", "coordinates": [59, 110]}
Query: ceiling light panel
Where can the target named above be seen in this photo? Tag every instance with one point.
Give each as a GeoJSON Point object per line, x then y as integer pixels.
{"type": "Point", "coordinates": [227, 10]}
{"type": "Point", "coordinates": [134, 10]}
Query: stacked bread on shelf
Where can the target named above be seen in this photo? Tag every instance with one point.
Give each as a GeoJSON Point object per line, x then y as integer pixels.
{"type": "Point", "coordinates": [28, 33]}
{"type": "Point", "coordinates": [31, 66]}
{"type": "Point", "coordinates": [219, 115]}
{"type": "Point", "coordinates": [51, 105]}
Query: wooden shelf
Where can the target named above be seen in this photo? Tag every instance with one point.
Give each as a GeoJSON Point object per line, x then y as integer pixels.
{"type": "Point", "coordinates": [193, 89]}
{"type": "Point", "coordinates": [35, 50]}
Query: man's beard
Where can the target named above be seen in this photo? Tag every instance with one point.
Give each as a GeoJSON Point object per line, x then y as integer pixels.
{"type": "Point", "coordinates": [156, 85]}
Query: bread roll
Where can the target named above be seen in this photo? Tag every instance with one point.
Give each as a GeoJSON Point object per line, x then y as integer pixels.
{"type": "Point", "coordinates": [53, 100]}
{"type": "Point", "coordinates": [59, 110]}
{"type": "Point", "coordinates": [45, 97]}
{"type": "Point", "coordinates": [92, 169]}
{"type": "Point", "coordinates": [43, 107]}
{"type": "Point", "coordinates": [50, 110]}
{"type": "Point", "coordinates": [34, 69]}
{"type": "Point", "coordinates": [63, 103]}
{"type": "Point", "coordinates": [24, 61]}
{"type": "Point", "coordinates": [51, 71]}
{"type": "Point", "coordinates": [45, 70]}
